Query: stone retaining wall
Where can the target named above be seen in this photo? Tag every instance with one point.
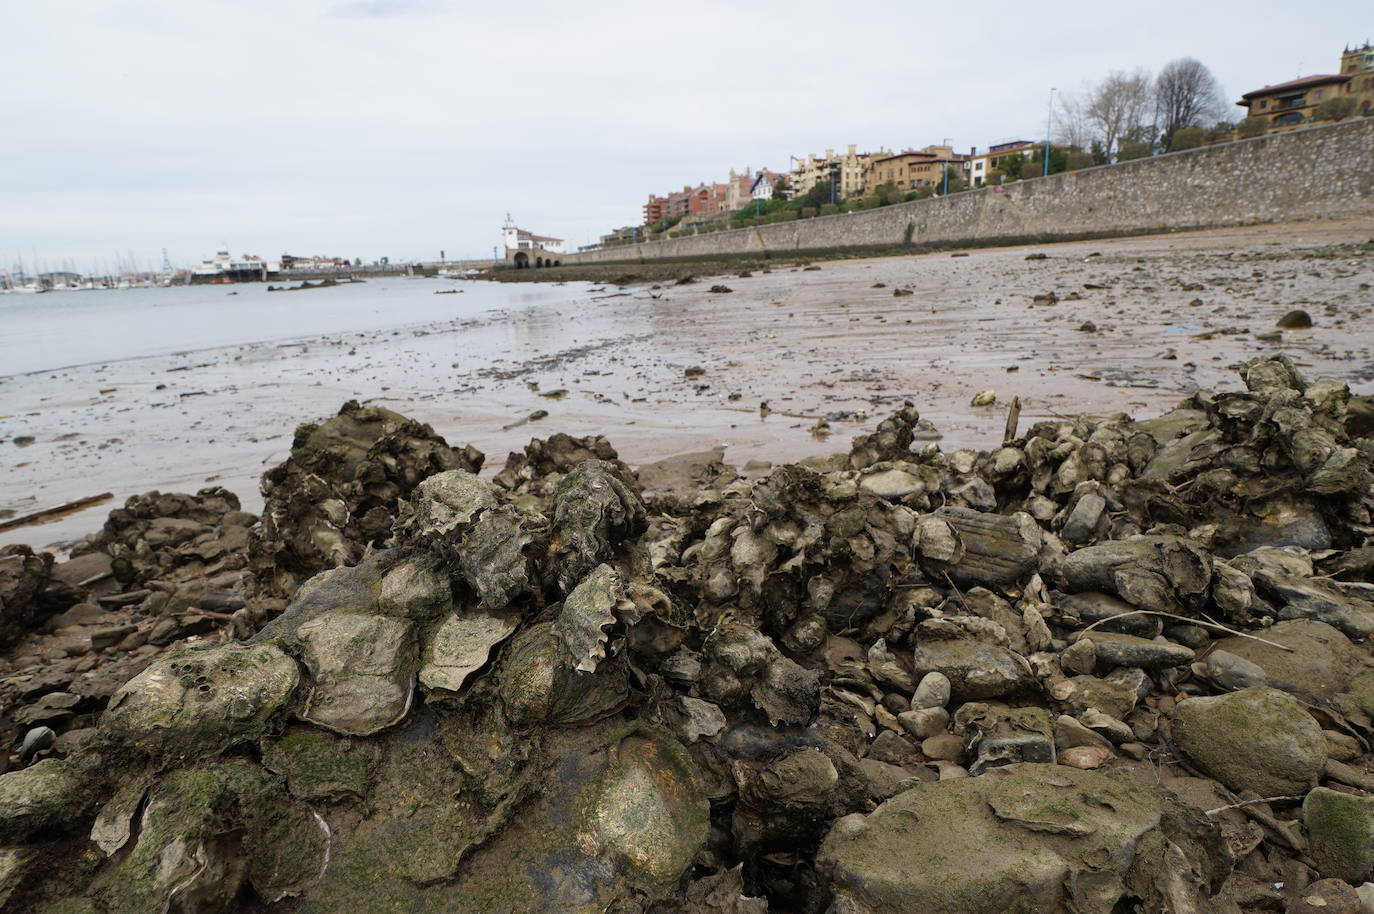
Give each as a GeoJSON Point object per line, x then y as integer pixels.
{"type": "Point", "coordinates": [1314, 173]}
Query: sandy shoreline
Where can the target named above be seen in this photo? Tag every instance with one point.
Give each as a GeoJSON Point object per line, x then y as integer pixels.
{"type": "Point", "coordinates": [809, 342]}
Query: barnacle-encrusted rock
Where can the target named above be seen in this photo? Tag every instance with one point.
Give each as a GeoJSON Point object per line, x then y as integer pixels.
{"type": "Point", "coordinates": [418, 588]}
{"type": "Point", "coordinates": [199, 701]}
{"type": "Point", "coordinates": [891, 441]}
{"type": "Point", "coordinates": [443, 507]}
{"type": "Point", "coordinates": [205, 832]}
{"type": "Point", "coordinates": [362, 671]}
{"type": "Point", "coordinates": [22, 576]}
{"type": "Point", "coordinates": [538, 683]}
{"type": "Point", "coordinates": [1161, 573]}
{"type": "Point", "coordinates": [587, 612]}
{"type": "Point", "coordinates": [629, 713]}
{"type": "Point", "coordinates": [463, 519]}
{"type": "Point", "coordinates": [740, 664]}
{"type": "Point", "coordinates": [593, 512]}
{"type": "Point", "coordinates": [461, 645]}
{"type": "Point", "coordinates": [339, 492]}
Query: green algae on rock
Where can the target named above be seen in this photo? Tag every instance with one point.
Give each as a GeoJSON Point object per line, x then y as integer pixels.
{"type": "Point", "coordinates": [1256, 739]}
{"type": "Point", "coordinates": [1340, 829]}
{"type": "Point", "coordinates": [1022, 838]}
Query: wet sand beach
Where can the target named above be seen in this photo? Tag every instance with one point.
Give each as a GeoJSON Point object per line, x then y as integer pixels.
{"type": "Point", "coordinates": [1134, 326]}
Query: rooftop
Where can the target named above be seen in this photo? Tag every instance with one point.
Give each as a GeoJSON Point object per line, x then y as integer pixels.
{"type": "Point", "coordinates": [1306, 82]}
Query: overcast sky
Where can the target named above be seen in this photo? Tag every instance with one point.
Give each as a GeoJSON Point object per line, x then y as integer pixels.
{"type": "Point", "coordinates": [368, 128]}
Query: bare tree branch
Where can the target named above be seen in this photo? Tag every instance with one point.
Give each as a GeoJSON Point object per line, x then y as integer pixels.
{"type": "Point", "coordinates": [1118, 107]}
{"type": "Point", "coordinates": [1186, 95]}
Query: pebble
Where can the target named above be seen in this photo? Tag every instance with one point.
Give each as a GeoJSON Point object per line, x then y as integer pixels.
{"type": "Point", "coordinates": [946, 747]}
{"type": "Point", "coordinates": [1325, 896]}
{"type": "Point", "coordinates": [1086, 757]}
{"type": "Point", "coordinates": [1079, 658]}
{"type": "Point", "coordinates": [35, 741]}
{"type": "Point", "coordinates": [925, 723]}
{"type": "Point", "coordinates": [931, 692]}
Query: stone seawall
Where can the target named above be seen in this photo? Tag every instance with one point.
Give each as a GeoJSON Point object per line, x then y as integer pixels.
{"type": "Point", "coordinates": [1314, 173]}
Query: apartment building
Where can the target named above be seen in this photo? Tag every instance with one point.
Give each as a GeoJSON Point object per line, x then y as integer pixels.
{"type": "Point", "coordinates": [978, 165]}
{"type": "Point", "coordinates": [847, 170]}
{"type": "Point", "coordinates": [913, 168]}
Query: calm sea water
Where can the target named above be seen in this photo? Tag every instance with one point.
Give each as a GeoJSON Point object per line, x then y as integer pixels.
{"type": "Point", "coordinates": [64, 329]}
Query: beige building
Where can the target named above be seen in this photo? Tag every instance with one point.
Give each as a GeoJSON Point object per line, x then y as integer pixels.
{"type": "Point", "coordinates": [846, 169]}
{"type": "Point", "coordinates": [1293, 104]}
{"type": "Point", "coordinates": [737, 189]}
{"type": "Point", "coordinates": [913, 168]}
{"type": "Point", "coordinates": [1358, 64]}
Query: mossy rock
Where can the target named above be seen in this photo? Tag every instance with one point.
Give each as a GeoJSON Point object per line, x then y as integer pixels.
{"type": "Point", "coordinates": [1256, 739]}
{"type": "Point", "coordinates": [1340, 832]}
{"type": "Point", "coordinates": [1359, 693]}
{"type": "Point", "coordinates": [48, 793]}
{"type": "Point", "coordinates": [610, 814]}
{"type": "Point", "coordinates": [1025, 838]}
{"type": "Point", "coordinates": [207, 830]}
{"type": "Point", "coordinates": [321, 766]}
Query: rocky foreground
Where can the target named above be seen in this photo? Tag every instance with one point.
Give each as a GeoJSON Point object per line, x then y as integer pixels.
{"type": "Point", "coordinates": [1111, 666]}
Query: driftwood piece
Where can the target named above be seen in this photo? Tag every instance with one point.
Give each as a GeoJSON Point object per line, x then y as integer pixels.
{"type": "Point", "coordinates": [1013, 420]}
{"type": "Point", "coordinates": [55, 511]}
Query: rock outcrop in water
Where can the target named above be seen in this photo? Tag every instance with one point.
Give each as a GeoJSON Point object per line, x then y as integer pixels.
{"type": "Point", "coordinates": [1109, 666]}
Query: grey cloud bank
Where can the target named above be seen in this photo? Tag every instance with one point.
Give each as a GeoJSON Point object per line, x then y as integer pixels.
{"type": "Point", "coordinates": [374, 128]}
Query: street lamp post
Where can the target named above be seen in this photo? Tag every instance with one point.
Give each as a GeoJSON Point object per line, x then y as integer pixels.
{"type": "Point", "coordinates": [1049, 119]}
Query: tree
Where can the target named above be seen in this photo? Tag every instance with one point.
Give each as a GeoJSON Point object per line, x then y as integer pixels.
{"type": "Point", "coordinates": [781, 188]}
{"type": "Point", "coordinates": [818, 194]}
{"type": "Point", "coordinates": [1117, 107]}
{"type": "Point", "coordinates": [1071, 126]}
{"type": "Point", "coordinates": [956, 182]}
{"type": "Point", "coordinates": [1250, 127]}
{"type": "Point", "coordinates": [1187, 138]}
{"type": "Point", "coordinates": [887, 193]}
{"type": "Point", "coordinates": [1186, 95]}
{"type": "Point", "coordinates": [1131, 149]}
{"type": "Point", "coordinates": [1011, 165]}
{"type": "Point", "coordinates": [1222, 131]}
{"type": "Point", "coordinates": [1335, 109]}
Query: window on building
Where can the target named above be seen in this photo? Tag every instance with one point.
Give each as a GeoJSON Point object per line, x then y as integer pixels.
{"type": "Point", "coordinates": [1287, 120]}
{"type": "Point", "coordinates": [1317, 95]}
